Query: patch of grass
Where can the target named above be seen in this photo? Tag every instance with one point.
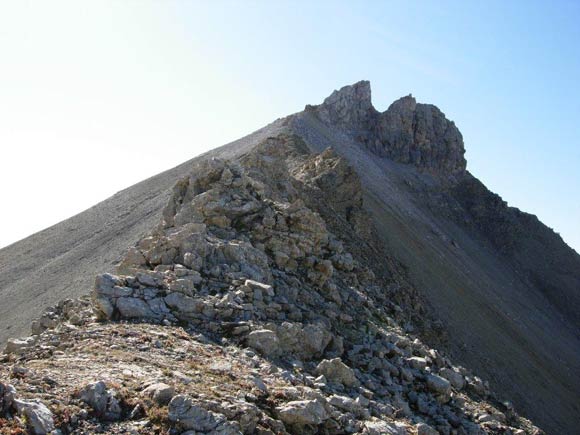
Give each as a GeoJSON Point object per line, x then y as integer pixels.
{"type": "Point", "coordinates": [159, 416]}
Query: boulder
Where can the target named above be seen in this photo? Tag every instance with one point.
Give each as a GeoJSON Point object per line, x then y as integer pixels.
{"type": "Point", "coordinates": [455, 378]}
{"type": "Point", "coordinates": [303, 412]}
{"type": "Point", "coordinates": [39, 418]}
{"type": "Point", "coordinates": [184, 304]}
{"type": "Point", "coordinates": [265, 288]}
{"type": "Point", "coordinates": [417, 362]}
{"type": "Point", "coordinates": [425, 429]}
{"type": "Point", "coordinates": [103, 307]}
{"type": "Point", "coordinates": [17, 346]}
{"type": "Point", "coordinates": [264, 341]}
{"type": "Point", "coordinates": [345, 403]}
{"type": "Point", "coordinates": [106, 281]}
{"type": "Point", "coordinates": [149, 278]}
{"type": "Point", "coordinates": [335, 370]}
{"type": "Point", "coordinates": [189, 415]}
{"type": "Point", "coordinates": [304, 342]}
{"type": "Point", "coordinates": [159, 392]}
{"type": "Point", "coordinates": [7, 393]}
{"type": "Point", "coordinates": [438, 385]}
{"type": "Point", "coordinates": [134, 308]}
{"type": "Point", "coordinates": [103, 401]}
{"type": "Point", "coordinates": [381, 427]}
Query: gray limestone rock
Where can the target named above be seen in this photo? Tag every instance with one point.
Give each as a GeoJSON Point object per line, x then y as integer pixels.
{"type": "Point", "coordinates": [303, 412]}
{"type": "Point", "coordinates": [134, 308]}
{"type": "Point", "coordinates": [350, 105]}
{"type": "Point", "coordinates": [455, 378]}
{"type": "Point", "coordinates": [188, 415]}
{"type": "Point", "coordinates": [425, 429]}
{"type": "Point", "coordinates": [18, 345]}
{"type": "Point", "coordinates": [438, 385]}
{"type": "Point", "coordinates": [39, 418]}
{"type": "Point", "coordinates": [419, 134]}
{"type": "Point", "coordinates": [336, 371]}
{"type": "Point", "coordinates": [103, 401]}
{"type": "Point", "coordinates": [159, 392]}
{"type": "Point", "coordinates": [407, 132]}
{"type": "Point", "coordinates": [7, 395]}
{"type": "Point", "coordinates": [381, 427]}
{"type": "Point", "coordinates": [264, 341]}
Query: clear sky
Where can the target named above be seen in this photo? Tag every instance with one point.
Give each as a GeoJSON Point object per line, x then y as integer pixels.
{"type": "Point", "coordinates": [97, 95]}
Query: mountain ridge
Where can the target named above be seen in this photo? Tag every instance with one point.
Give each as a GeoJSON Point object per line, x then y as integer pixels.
{"type": "Point", "coordinates": [431, 216]}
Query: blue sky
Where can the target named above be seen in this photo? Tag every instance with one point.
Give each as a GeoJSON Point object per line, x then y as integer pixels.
{"type": "Point", "coordinates": [95, 96]}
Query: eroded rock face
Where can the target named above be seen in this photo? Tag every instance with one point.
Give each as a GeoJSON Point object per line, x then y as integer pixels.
{"type": "Point", "coordinates": [349, 106]}
{"type": "Point", "coordinates": [419, 134]}
{"type": "Point", "coordinates": [407, 132]}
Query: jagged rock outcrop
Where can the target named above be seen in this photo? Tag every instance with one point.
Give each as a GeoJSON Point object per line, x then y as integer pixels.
{"type": "Point", "coordinates": [419, 134]}
{"type": "Point", "coordinates": [349, 107]}
{"type": "Point", "coordinates": [257, 320]}
{"type": "Point", "coordinates": [407, 132]}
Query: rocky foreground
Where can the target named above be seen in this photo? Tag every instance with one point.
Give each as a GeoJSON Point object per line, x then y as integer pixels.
{"type": "Point", "coordinates": [260, 304]}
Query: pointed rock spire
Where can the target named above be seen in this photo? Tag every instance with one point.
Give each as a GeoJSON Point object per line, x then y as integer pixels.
{"type": "Point", "coordinates": [350, 106]}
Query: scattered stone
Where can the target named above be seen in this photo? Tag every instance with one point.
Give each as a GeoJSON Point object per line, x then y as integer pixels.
{"type": "Point", "coordinates": [239, 260]}
{"type": "Point", "coordinates": [131, 308]}
{"type": "Point", "coordinates": [345, 403]}
{"type": "Point", "coordinates": [265, 288]}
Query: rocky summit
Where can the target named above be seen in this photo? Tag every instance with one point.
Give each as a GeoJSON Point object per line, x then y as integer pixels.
{"type": "Point", "coordinates": [406, 132]}
{"type": "Point", "coordinates": [337, 272]}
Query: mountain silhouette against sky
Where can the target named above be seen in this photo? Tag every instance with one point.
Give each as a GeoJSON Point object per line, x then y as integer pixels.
{"type": "Point", "coordinates": [487, 285]}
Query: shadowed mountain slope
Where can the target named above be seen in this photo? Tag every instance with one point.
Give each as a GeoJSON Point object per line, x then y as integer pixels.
{"type": "Point", "coordinates": [505, 287]}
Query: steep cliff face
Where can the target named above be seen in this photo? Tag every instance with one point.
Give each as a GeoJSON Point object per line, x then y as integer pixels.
{"type": "Point", "coordinates": [337, 232]}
